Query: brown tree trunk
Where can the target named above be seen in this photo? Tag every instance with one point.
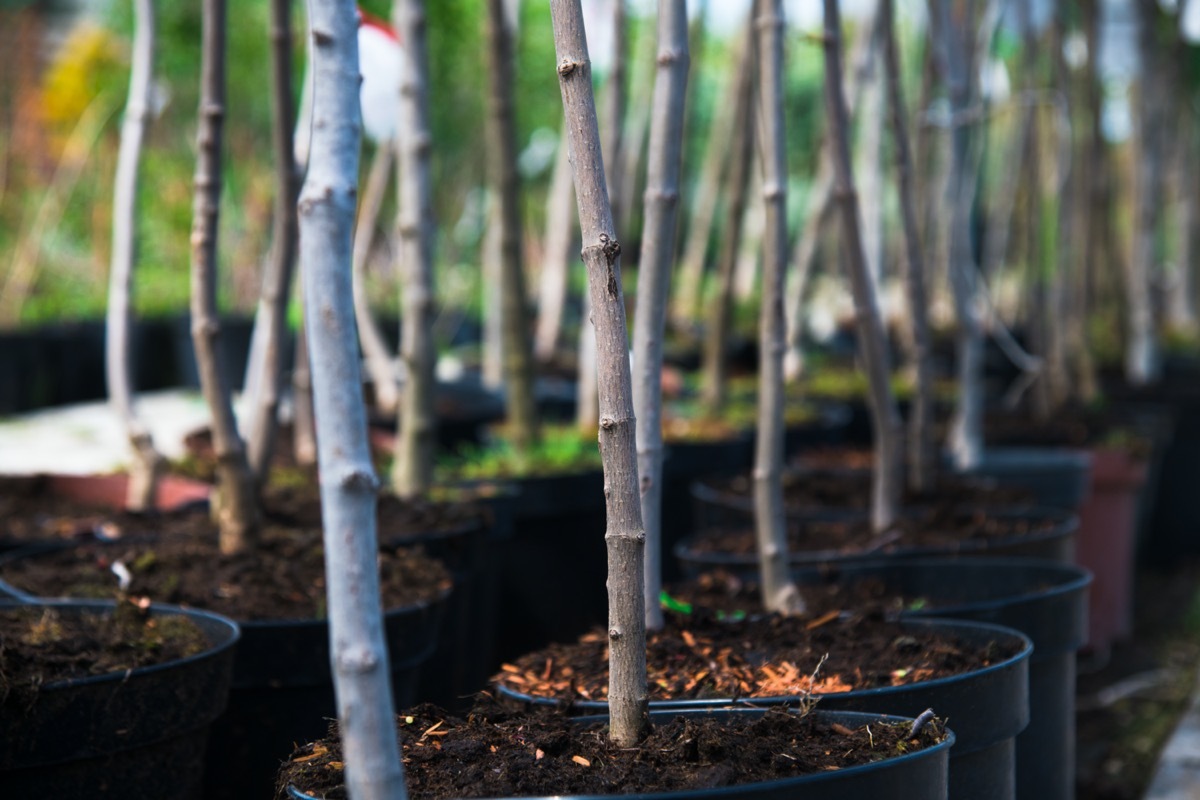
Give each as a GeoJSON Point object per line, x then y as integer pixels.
{"type": "Point", "coordinates": [377, 356]}
{"type": "Point", "coordinates": [714, 385]}
{"type": "Point", "coordinates": [625, 537]}
{"type": "Point", "coordinates": [654, 270]}
{"type": "Point", "coordinates": [557, 255]}
{"type": "Point", "coordinates": [147, 464]}
{"type": "Point", "coordinates": [277, 281]}
{"type": "Point", "coordinates": [506, 191]}
{"type": "Point", "coordinates": [235, 501]}
{"type": "Point", "coordinates": [872, 342]}
{"type": "Point", "coordinates": [412, 474]}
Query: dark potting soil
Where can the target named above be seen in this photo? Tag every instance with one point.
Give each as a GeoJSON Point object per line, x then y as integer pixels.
{"type": "Point", "coordinates": [43, 645]}
{"type": "Point", "coordinates": [30, 512]}
{"type": "Point", "coordinates": [728, 649]}
{"type": "Point", "coordinates": [283, 579]}
{"type": "Point", "coordinates": [498, 753]}
{"type": "Point", "coordinates": [940, 528]}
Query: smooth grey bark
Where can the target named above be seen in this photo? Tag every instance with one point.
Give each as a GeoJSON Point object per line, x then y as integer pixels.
{"type": "Point", "coordinates": [689, 284]}
{"type": "Point", "coordinates": [147, 464]}
{"type": "Point", "coordinates": [754, 230]}
{"type": "Point", "coordinates": [922, 453]}
{"type": "Point", "coordinates": [1141, 345]}
{"type": "Point", "coordinates": [556, 255]}
{"type": "Point", "coordinates": [818, 206]}
{"type": "Point", "coordinates": [887, 480]}
{"type": "Point", "coordinates": [1181, 300]}
{"type": "Point", "coordinates": [505, 183]}
{"type": "Point", "coordinates": [377, 356]}
{"type": "Point", "coordinates": [778, 590]}
{"type": "Point", "coordinates": [714, 387]}
{"type": "Point", "coordinates": [234, 502]}
{"type": "Point", "coordinates": [358, 654]}
{"type": "Point", "coordinates": [263, 419]}
{"type": "Point", "coordinates": [664, 165]}
{"type": "Point", "coordinates": [412, 474]}
{"type": "Point", "coordinates": [493, 304]}
{"type": "Point", "coordinates": [625, 536]}
{"type": "Point", "coordinates": [869, 171]}
{"type": "Point", "coordinates": [957, 68]}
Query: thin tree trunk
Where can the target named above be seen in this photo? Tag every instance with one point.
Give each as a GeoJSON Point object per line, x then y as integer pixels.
{"type": "Point", "coordinates": [147, 464]}
{"type": "Point", "coordinates": [1181, 306]}
{"type": "Point", "coordinates": [885, 420]}
{"type": "Point", "coordinates": [625, 537]}
{"type": "Point", "coordinates": [587, 398]}
{"type": "Point", "coordinates": [304, 424]}
{"type": "Point", "coordinates": [778, 590]}
{"type": "Point", "coordinates": [966, 431]}
{"type": "Point", "coordinates": [235, 502]}
{"type": "Point", "coordinates": [689, 284]}
{"type": "Point", "coordinates": [263, 420]}
{"type": "Point", "coordinates": [493, 302]}
{"type": "Point", "coordinates": [506, 191]}
{"type": "Point", "coordinates": [377, 356]}
{"type": "Point", "coordinates": [1141, 350]}
{"type": "Point", "coordinates": [921, 451]}
{"type": "Point", "coordinates": [633, 142]}
{"type": "Point", "coordinates": [664, 165]}
{"type": "Point", "coordinates": [557, 255]}
{"type": "Point", "coordinates": [348, 484]}
{"type": "Point", "coordinates": [819, 203]}
{"type": "Point", "coordinates": [417, 425]}
{"type": "Point", "coordinates": [714, 381]}
{"type": "Point", "coordinates": [870, 171]}
{"type": "Point", "coordinates": [754, 231]}
{"type": "Point", "coordinates": [615, 101]}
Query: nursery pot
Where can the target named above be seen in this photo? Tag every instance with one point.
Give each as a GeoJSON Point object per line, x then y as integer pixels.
{"type": "Point", "coordinates": [551, 574]}
{"type": "Point", "coordinates": [1046, 601]}
{"type": "Point", "coordinates": [134, 735]}
{"type": "Point", "coordinates": [1106, 544]}
{"type": "Point", "coordinates": [988, 708]}
{"type": "Point", "coordinates": [1055, 542]}
{"type": "Point", "coordinates": [1057, 477]}
{"type": "Point", "coordinates": [919, 775]}
{"type": "Point", "coordinates": [282, 689]}
{"type": "Point", "coordinates": [685, 462]}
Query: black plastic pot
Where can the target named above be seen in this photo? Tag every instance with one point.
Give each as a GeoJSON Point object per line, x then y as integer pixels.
{"type": "Point", "coordinates": [1046, 601]}
{"type": "Point", "coordinates": [828, 428]}
{"type": "Point", "coordinates": [282, 690]}
{"type": "Point", "coordinates": [458, 666]}
{"type": "Point", "coordinates": [136, 735]}
{"type": "Point", "coordinates": [551, 572]}
{"type": "Point", "coordinates": [1055, 543]}
{"type": "Point", "coordinates": [685, 462]}
{"type": "Point", "coordinates": [1057, 477]}
{"type": "Point", "coordinates": [987, 708]}
{"type": "Point", "coordinates": [919, 775]}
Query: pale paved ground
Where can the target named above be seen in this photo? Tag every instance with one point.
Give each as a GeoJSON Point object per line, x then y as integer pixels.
{"type": "Point", "coordinates": [1178, 773]}
{"type": "Point", "coordinates": [87, 438]}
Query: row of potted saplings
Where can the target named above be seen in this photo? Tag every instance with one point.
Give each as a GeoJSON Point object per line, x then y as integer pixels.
{"type": "Point", "coordinates": [987, 643]}
{"type": "Point", "coordinates": [982, 706]}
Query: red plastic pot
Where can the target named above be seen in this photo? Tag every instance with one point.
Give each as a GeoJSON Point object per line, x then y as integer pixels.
{"type": "Point", "coordinates": [1105, 544]}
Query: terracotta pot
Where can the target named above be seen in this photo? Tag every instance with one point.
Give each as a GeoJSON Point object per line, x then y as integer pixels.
{"type": "Point", "coordinates": [1105, 544]}
{"type": "Point", "coordinates": [174, 492]}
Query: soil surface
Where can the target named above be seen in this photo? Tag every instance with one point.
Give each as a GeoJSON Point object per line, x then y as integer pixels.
{"type": "Point", "coordinates": [30, 512]}
{"type": "Point", "coordinates": [940, 528]}
{"type": "Point", "coordinates": [180, 563]}
{"type": "Point", "coordinates": [823, 487]}
{"type": "Point", "coordinates": [40, 646]}
{"type": "Point", "coordinates": [715, 644]}
{"type": "Point", "coordinates": [497, 753]}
